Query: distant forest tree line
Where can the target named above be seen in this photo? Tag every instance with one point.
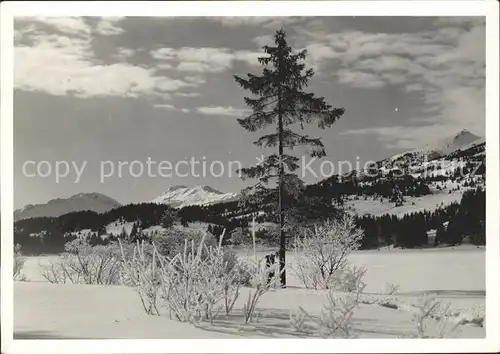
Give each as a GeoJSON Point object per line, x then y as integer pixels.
{"type": "Point", "coordinates": [452, 223]}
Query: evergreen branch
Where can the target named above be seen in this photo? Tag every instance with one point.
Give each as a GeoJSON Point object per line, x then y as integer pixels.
{"type": "Point", "coordinates": [260, 103]}
{"type": "Point", "coordinates": [257, 120]}
{"type": "Point", "coordinates": [291, 140]}
{"type": "Point", "coordinates": [269, 167]}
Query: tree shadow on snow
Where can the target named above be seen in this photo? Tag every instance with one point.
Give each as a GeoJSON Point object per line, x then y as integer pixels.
{"type": "Point", "coordinates": [267, 323]}
{"type": "Point", "coordinates": [375, 327]}
{"type": "Point", "coordinates": [275, 323]}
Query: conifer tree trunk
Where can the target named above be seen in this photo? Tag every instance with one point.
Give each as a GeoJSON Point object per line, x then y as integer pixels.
{"type": "Point", "coordinates": [282, 250]}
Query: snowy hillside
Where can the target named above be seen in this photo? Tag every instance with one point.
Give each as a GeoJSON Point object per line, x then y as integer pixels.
{"type": "Point", "coordinates": [181, 196]}
{"type": "Point", "coordinates": [431, 202]}
{"type": "Point", "coordinates": [80, 202]}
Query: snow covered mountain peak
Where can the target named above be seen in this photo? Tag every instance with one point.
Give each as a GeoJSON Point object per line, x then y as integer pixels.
{"type": "Point", "coordinates": [181, 196]}
{"type": "Point", "coordinates": [460, 140]}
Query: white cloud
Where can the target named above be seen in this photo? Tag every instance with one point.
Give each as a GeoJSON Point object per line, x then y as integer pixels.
{"type": "Point", "coordinates": [196, 80]}
{"type": "Point", "coordinates": [200, 67]}
{"type": "Point", "coordinates": [65, 64]}
{"type": "Point", "coordinates": [248, 56]}
{"type": "Point", "coordinates": [360, 79]}
{"type": "Point", "coordinates": [171, 107]}
{"type": "Point", "coordinates": [318, 53]}
{"type": "Point", "coordinates": [164, 66]}
{"type": "Point", "coordinates": [107, 26]}
{"type": "Point", "coordinates": [222, 111]}
{"type": "Point", "coordinates": [124, 53]}
{"type": "Point", "coordinates": [263, 40]}
{"type": "Point", "coordinates": [66, 25]}
{"type": "Point", "coordinates": [187, 94]}
{"type": "Point", "coordinates": [166, 106]}
{"type": "Point", "coordinates": [203, 60]}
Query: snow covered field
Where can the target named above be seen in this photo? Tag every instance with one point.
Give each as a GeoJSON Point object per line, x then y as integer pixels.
{"type": "Point", "coordinates": [44, 310]}
{"type": "Point", "coordinates": [426, 203]}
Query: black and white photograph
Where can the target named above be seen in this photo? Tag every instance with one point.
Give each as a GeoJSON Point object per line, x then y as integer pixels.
{"type": "Point", "coordinates": [250, 177]}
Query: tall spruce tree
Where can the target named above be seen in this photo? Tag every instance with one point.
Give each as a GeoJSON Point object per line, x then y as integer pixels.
{"type": "Point", "coordinates": [279, 100]}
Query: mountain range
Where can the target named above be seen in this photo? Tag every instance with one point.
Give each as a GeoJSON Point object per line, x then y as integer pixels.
{"type": "Point", "coordinates": [181, 196]}
{"type": "Point", "coordinates": [97, 202]}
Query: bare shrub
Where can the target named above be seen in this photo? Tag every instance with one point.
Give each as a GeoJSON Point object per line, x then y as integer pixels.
{"type": "Point", "coordinates": [18, 263]}
{"type": "Point", "coordinates": [297, 319]}
{"type": "Point", "coordinates": [85, 264]}
{"type": "Point", "coordinates": [349, 279]}
{"type": "Point", "coordinates": [140, 271]}
{"type": "Point", "coordinates": [196, 284]}
{"type": "Point", "coordinates": [237, 275]}
{"type": "Point", "coordinates": [94, 264]}
{"type": "Point", "coordinates": [170, 242]}
{"type": "Point", "coordinates": [433, 319]}
{"type": "Point", "coordinates": [323, 250]}
{"type": "Point", "coordinates": [245, 272]}
{"type": "Point", "coordinates": [199, 282]}
{"type": "Point", "coordinates": [263, 279]}
{"type": "Point", "coordinates": [231, 294]}
{"type": "Point", "coordinates": [241, 274]}
{"type": "Point", "coordinates": [57, 272]}
{"type": "Point", "coordinates": [336, 314]}
{"type": "Point", "coordinates": [182, 284]}
{"type": "Point", "coordinates": [240, 237]}
{"type": "Point", "coordinates": [391, 288]}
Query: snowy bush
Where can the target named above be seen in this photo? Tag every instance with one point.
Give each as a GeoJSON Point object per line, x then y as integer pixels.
{"type": "Point", "coordinates": [336, 315]}
{"type": "Point", "coordinates": [263, 279]}
{"type": "Point", "coordinates": [433, 319]}
{"type": "Point", "coordinates": [349, 279]}
{"type": "Point", "coordinates": [245, 272]}
{"type": "Point", "coordinates": [198, 282]}
{"type": "Point", "coordinates": [85, 264]}
{"type": "Point", "coordinates": [297, 319]}
{"type": "Point", "coordinates": [238, 274]}
{"type": "Point", "coordinates": [391, 288]}
{"type": "Point", "coordinates": [170, 242]}
{"type": "Point", "coordinates": [323, 250]}
{"type": "Point", "coordinates": [191, 284]}
{"type": "Point", "coordinates": [195, 284]}
{"type": "Point", "coordinates": [140, 271]}
{"type": "Point", "coordinates": [240, 236]}
{"type": "Point", "coordinates": [18, 263]}
{"type": "Point", "coordinates": [56, 272]}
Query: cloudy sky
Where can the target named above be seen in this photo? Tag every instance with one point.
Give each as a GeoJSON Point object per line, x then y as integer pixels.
{"type": "Point", "coordinates": [124, 89]}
